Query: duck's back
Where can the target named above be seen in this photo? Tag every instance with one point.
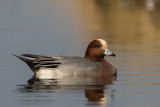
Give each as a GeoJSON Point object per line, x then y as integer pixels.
{"type": "Point", "coordinates": [68, 66]}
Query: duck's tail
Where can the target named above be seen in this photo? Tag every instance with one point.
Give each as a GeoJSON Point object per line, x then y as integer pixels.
{"type": "Point", "coordinates": [28, 61]}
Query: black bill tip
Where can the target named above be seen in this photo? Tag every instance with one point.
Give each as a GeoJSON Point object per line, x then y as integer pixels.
{"type": "Point", "coordinates": [113, 55]}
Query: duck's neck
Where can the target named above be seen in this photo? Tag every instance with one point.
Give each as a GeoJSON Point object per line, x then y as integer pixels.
{"type": "Point", "coordinates": [95, 58]}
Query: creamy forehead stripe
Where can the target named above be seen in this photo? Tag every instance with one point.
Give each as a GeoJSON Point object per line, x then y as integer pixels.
{"type": "Point", "coordinates": [102, 41]}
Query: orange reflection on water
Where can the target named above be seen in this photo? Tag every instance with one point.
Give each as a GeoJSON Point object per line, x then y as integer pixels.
{"type": "Point", "coordinates": [124, 21]}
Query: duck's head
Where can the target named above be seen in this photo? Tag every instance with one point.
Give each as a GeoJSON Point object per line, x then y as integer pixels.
{"type": "Point", "coordinates": [97, 49]}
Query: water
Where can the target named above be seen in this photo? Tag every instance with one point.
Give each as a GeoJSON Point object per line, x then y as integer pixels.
{"type": "Point", "coordinates": [65, 27]}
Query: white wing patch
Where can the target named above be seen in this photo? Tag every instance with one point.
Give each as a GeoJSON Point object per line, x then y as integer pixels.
{"type": "Point", "coordinates": [48, 74]}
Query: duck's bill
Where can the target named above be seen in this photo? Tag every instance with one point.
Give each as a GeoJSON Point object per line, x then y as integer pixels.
{"type": "Point", "coordinates": [113, 54]}
{"type": "Point", "coordinates": [109, 53]}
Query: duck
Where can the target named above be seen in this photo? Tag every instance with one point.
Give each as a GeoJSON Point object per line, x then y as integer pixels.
{"type": "Point", "coordinates": [92, 64]}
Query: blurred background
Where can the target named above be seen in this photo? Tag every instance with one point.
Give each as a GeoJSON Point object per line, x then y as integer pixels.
{"type": "Point", "coordinates": [67, 24]}
{"type": "Point", "coordinates": [65, 27]}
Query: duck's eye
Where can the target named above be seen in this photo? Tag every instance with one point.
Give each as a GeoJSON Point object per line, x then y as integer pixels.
{"type": "Point", "coordinates": [98, 46]}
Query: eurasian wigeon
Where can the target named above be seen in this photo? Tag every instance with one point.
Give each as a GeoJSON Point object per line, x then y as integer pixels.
{"type": "Point", "coordinates": [94, 63]}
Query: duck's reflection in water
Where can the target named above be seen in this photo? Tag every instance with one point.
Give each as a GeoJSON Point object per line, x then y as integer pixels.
{"type": "Point", "coordinates": [94, 86]}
